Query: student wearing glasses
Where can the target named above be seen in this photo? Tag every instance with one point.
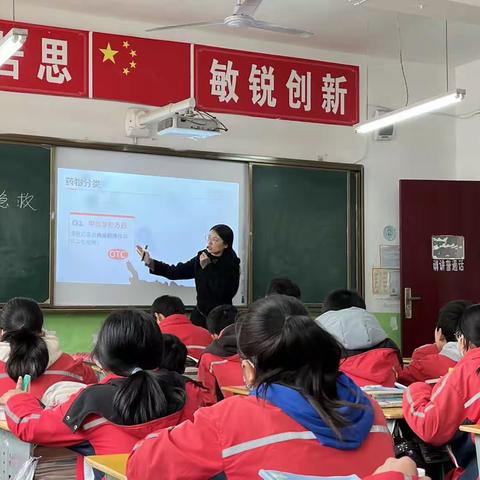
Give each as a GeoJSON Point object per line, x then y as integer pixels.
{"type": "Point", "coordinates": [433, 360]}
{"type": "Point", "coordinates": [435, 413]}
{"type": "Point", "coordinates": [216, 271]}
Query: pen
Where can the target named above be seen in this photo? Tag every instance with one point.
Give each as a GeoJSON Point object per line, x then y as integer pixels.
{"type": "Point", "coordinates": [144, 250]}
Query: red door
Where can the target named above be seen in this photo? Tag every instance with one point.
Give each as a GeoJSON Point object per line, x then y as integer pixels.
{"type": "Point", "coordinates": [438, 213]}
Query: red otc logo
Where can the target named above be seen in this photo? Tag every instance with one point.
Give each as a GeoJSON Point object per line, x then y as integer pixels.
{"type": "Point", "coordinates": [117, 254]}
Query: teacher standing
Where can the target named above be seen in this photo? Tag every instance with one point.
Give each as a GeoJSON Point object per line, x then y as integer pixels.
{"type": "Point", "coordinates": [216, 271]}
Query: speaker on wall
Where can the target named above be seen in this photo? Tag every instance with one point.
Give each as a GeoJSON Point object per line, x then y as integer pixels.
{"type": "Point", "coordinates": [385, 133]}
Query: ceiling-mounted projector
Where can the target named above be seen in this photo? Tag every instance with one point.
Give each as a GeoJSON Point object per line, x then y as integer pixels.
{"type": "Point", "coordinates": [179, 119]}
{"type": "Point", "coordinates": [188, 125]}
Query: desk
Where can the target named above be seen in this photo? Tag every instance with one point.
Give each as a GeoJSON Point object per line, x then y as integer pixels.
{"type": "Point", "coordinates": [14, 454]}
{"type": "Point", "coordinates": [240, 390]}
{"type": "Point", "coordinates": [392, 414]}
{"type": "Point", "coordinates": [114, 466]}
{"type": "Point", "coordinates": [475, 429]}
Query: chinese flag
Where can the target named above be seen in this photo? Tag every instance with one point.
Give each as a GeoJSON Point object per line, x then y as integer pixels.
{"type": "Point", "coordinates": [139, 70]}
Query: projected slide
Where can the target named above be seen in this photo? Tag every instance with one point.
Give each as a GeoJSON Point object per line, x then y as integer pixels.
{"type": "Point", "coordinates": [101, 216]}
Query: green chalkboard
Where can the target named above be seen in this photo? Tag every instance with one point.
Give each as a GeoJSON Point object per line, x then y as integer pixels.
{"type": "Point", "coordinates": [25, 222]}
{"type": "Point", "coordinates": [304, 226]}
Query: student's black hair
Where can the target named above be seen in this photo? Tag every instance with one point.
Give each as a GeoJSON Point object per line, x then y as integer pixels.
{"type": "Point", "coordinates": [168, 305]}
{"type": "Point", "coordinates": [220, 317]}
{"type": "Point", "coordinates": [287, 347]}
{"type": "Point", "coordinates": [449, 316]}
{"type": "Point", "coordinates": [174, 354]}
{"type": "Point", "coordinates": [22, 321]}
{"type": "Point", "coordinates": [130, 341]}
{"type": "Point", "coordinates": [284, 286]}
{"type": "Point", "coordinates": [343, 298]}
{"type": "Point", "coordinates": [469, 326]}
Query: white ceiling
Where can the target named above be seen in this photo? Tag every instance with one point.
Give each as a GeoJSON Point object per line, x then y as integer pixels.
{"type": "Point", "coordinates": [370, 28]}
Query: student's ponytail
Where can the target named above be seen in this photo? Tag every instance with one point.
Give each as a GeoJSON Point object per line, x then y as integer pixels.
{"type": "Point", "coordinates": [288, 348]}
{"type": "Point", "coordinates": [22, 321]}
{"type": "Point", "coordinates": [148, 395]}
{"type": "Point", "coordinates": [28, 354]}
{"type": "Point", "coordinates": [130, 345]}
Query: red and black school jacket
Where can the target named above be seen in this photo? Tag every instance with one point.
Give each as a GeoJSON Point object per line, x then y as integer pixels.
{"type": "Point", "coordinates": [434, 413]}
{"type": "Point", "coordinates": [238, 436]}
{"type": "Point", "coordinates": [61, 367]}
{"type": "Point", "coordinates": [216, 372]}
{"type": "Point", "coordinates": [87, 421]}
{"type": "Point", "coordinates": [196, 339]}
{"type": "Point", "coordinates": [428, 363]}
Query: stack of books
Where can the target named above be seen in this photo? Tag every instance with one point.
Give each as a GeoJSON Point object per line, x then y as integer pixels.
{"type": "Point", "coordinates": [385, 396]}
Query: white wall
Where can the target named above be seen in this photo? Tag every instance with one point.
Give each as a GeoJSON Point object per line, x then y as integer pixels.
{"type": "Point", "coordinates": [468, 138]}
{"type": "Point", "coordinates": [422, 149]}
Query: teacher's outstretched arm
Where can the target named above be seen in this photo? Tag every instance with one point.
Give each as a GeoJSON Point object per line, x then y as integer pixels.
{"type": "Point", "coordinates": [180, 271]}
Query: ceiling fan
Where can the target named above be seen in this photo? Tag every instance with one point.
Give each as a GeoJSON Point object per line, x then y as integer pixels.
{"type": "Point", "coordinates": [242, 17]}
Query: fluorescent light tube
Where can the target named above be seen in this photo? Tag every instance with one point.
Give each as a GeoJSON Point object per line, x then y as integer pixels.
{"type": "Point", "coordinates": [411, 111]}
{"type": "Point", "coordinates": [11, 42]}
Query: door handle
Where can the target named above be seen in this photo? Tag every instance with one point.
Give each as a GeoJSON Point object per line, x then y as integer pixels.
{"type": "Point", "coordinates": [407, 301]}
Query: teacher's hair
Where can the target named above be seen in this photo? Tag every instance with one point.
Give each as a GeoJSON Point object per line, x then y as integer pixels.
{"type": "Point", "coordinates": [130, 344]}
{"type": "Point", "coordinates": [288, 348]}
{"type": "Point", "coordinates": [22, 321]}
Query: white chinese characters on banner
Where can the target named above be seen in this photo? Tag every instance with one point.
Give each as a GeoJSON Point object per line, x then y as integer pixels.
{"type": "Point", "coordinates": [54, 55]}
{"type": "Point", "coordinates": [223, 81]}
{"type": "Point", "coordinates": [333, 94]}
{"type": "Point", "coordinates": [10, 67]}
{"type": "Point", "coordinates": [262, 85]}
{"type": "Point", "coordinates": [299, 90]}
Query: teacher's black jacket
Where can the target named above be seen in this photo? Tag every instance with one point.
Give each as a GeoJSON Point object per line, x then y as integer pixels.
{"type": "Point", "coordinates": [216, 284]}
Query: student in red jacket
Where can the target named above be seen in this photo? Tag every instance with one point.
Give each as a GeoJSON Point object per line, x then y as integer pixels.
{"type": "Point", "coordinates": [435, 413]}
{"type": "Point", "coordinates": [369, 356]}
{"type": "Point", "coordinates": [175, 359]}
{"type": "Point", "coordinates": [26, 348]}
{"type": "Point", "coordinates": [434, 360]}
{"type": "Point", "coordinates": [302, 415]}
{"type": "Point", "coordinates": [169, 312]}
{"type": "Point", "coordinates": [219, 364]}
{"type": "Point", "coordinates": [132, 401]}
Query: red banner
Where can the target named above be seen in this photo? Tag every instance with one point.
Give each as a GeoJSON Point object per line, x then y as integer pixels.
{"type": "Point", "coordinates": [139, 70]}
{"type": "Point", "coordinates": [52, 61]}
{"type": "Point", "coordinates": [272, 86]}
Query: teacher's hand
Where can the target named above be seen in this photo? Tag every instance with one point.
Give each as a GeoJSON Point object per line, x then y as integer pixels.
{"type": "Point", "coordinates": [144, 255]}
